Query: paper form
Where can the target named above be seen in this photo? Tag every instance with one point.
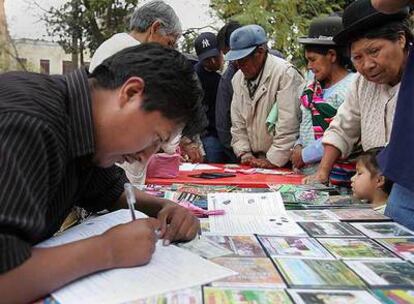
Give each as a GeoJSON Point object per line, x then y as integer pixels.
{"type": "Point", "coordinates": [250, 213]}
{"type": "Point", "coordinates": [171, 268]}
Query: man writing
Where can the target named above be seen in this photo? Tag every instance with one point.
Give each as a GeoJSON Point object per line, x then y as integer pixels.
{"type": "Point", "coordinates": [60, 136]}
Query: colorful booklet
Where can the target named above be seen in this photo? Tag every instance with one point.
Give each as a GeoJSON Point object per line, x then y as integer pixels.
{"type": "Point", "coordinates": [403, 247]}
{"type": "Point", "coordinates": [357, 249]}
{"type": "Point", "coordinates": [318, 274]}
{"type": "Point", "coordinates": [205, 248]}
{"type": "Point", "coordinates": [395, 296]}
{"type": "Point", "coordinates": [303, 296]}
{"type": "Point", "coordinates": [383, 230]}
{"type": "Point", "coordinates": [223, 295]}
{"type": "Point", "coordinates": [312, 216]}
{"type": "Point", "coordinates": [384, 274]}
{"type": "Point", "coordinates": [294, 247]}
{"type": "Point", "coordinates": [239, 245]}
{"type": "Point", "coordinates": [183, 296]}
{"type": "Point", "coordinates": [330, 229]}
{"type": "Point", "coordinates": [359, 215]}
{"type": "Point", "coordinates": [253, 272]}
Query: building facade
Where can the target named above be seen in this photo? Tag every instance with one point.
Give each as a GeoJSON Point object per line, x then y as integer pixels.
{"type": "Point", "coordinates": [43, 56]}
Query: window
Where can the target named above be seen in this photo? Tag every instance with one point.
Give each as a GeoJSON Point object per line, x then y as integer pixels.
{"type": "Point", "coordinates": [45, 66]}
{"type": "Point", "coordinates": [67, 67]}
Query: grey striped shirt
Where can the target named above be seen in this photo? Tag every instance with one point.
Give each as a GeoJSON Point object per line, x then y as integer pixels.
{"type": "Point", "coordinates": [46, 147]}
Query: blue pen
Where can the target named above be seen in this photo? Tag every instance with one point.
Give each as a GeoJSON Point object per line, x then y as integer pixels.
{"type": "Point", "coordinates": [129, 191]}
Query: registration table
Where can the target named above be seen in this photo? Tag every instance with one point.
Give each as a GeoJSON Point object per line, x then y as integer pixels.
{"type": "Point", "coordinates": [255, 180]}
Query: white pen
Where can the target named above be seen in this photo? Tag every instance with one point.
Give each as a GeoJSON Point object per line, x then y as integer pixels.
{"type": "Point", "coordinates": [129, 191]}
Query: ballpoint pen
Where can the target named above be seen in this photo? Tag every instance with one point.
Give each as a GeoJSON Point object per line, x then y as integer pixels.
{"type": "Point", "coordinates": [129, 191]}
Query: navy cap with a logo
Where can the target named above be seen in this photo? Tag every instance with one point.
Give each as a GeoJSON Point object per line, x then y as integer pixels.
{"type": "Point", "coordinates": [206, 46]}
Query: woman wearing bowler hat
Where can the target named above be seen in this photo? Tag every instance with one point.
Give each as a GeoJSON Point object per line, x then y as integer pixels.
{"type": "Point", "coordinates": [378, 45]}
{"type": "Point", "coordinates": [322, 96]}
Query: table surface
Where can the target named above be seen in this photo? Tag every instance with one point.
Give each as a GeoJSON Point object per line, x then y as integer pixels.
{"type": "Point", "coordinates": [256, 180]}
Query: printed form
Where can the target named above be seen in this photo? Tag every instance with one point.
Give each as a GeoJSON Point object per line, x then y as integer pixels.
{"type": "Point", "coordinates": [171, 268]}
{"type": "Point", "coordinates": [251, 213]}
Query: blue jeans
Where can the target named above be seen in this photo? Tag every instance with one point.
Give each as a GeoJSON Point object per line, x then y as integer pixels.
{"type": "Point", "coordinates": [400, 206]}
{"type": "Point", "coordinates": [214, 150]}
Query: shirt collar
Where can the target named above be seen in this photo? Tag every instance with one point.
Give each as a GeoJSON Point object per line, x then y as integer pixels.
{"type": "Point", "coordinates": [80, 113]}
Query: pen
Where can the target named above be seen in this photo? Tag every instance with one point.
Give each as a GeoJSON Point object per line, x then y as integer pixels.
{"type": "Point", "coordinates": [129, 191]}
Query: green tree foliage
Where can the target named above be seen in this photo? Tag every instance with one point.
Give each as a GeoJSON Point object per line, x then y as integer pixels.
{"type": "Point", "coordinates": [283, 20]}
{"type": "Point", "coordinates": [85, 24]}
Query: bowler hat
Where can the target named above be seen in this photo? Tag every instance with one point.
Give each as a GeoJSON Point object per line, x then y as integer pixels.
{"type": "Point", "coordinates": [322, 30]}
{"type": "Point", "coordinates": [360, 15]}
{"type": "Point", "coordinates": [206, 46]}
{"type": "Point", "coordinates": [244, 40]}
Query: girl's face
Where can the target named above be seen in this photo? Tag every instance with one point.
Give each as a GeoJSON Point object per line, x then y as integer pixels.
{"type": "Point", "coordinates": [364, 183]}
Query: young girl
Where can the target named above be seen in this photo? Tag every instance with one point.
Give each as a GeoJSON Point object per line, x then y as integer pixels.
{"type": "Point", "coordinates": [369, 183]}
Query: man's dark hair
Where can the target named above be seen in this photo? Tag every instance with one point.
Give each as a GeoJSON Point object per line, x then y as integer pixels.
{"type": "Point", "coordinates": [341, 53]}
{"type": "Point", "coordinates": [223, 35]}
{"type": "Point", "coordinates": [390, 31]}
{"type": "Point", "coordinates": [171, 85]}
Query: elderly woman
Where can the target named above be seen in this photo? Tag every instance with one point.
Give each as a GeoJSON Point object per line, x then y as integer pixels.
{"type": "Point", "coordinates": [396, 161]}
{"type": "Point", "coordinates": [322, 96]}
{"type": "Point", "coordinates": [379, 46]}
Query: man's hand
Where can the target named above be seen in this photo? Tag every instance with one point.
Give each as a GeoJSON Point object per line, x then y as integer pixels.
{"type": "Point", "coordinates": [177, 223]}
{"type": "Point", "coordinates": [261, 163]}
{"type": "Point", "coordinates": [390, 6]}
{"type": "Point", "coordinates": [192, 152]}
{"type": "Point", "coordinates": [319, 177]}
{"type": "Point", "coordinates": [133, 243]}
{"type": "Point", "coordinates": [296, 158]}
{"type": "Point", "coordinates": [246, 160]}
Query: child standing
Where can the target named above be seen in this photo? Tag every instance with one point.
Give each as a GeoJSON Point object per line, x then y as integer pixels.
{"type": "Point", "coordinates": [369, 183]}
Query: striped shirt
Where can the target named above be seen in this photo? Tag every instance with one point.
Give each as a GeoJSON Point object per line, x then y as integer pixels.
{"type": "Point", "coordinates": [46, 149]}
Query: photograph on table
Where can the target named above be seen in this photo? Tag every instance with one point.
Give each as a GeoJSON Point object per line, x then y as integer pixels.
{"type": "Point", "coordinates": [403, 247]}
{"type": "Point", "coordinates": [318, 274]}
{"type": "Point", "coordinates": [312, 216]}
{"type": "Point", "coordinates": [357, 249]}
{"type": "Point", "coordinates": [205, 248]}
{"type": "Point", "coordinates": [395, 296]}
{"type": "Point", "coordinates": [359, 215]}
{"type": "Point", "coordinates": [245, 245]}
{"type": "Point", "coordinates": [252, 272]}
{"type": "Point", "coordinates": [225, 295]}
{"type": "Point", "coordinates": [293, 247]}
{"type": "Point", "coordinates": [330, 229]}
{"type": "Point", "coordinates": [384, 274]}
{"type": "Point", "coordinates": [303, 296]}
{"type": "Point", "coordinates": [383, 230]}
{"type": "Point", "coordinates": [182, 296]}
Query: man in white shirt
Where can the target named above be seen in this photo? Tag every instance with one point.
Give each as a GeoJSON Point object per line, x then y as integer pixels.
{"type": "Point", "coordinates": [155, 21]}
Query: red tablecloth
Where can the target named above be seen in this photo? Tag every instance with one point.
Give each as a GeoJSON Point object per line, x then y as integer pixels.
{"type": "Point", "coordinates": [240, 180]}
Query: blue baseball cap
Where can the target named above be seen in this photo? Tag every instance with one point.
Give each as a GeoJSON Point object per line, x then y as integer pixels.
{"type": "Point", "coordinates": [244, 40]}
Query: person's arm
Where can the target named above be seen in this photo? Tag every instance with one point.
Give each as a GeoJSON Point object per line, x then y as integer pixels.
{"type": "Point", "coordinates": [330, 156]}
{"type": "Point", "coordinates": [240, 140]}
{"type": "Point", "coordinates": [390, 6]}
{"type": "Point", "coordinates": [313, 152]}
{"type": "Point", "coordinates": [288, 120]}
{"type": "Point", "coordinates": [48, 269]}
{"type": "Point", "coordinates": [223, 103]}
